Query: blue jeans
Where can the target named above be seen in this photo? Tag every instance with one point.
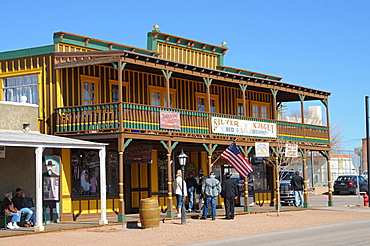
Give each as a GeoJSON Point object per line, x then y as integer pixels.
{"type": "Point", "coordinates": [209, 200]}
{"type": "Point", "coordinates": [16, 217]}
{"type": "Point", "coordinates": [191, 199]}
{"type": "Point", "coordinates": [29, 213]}
{"type": "Point", "coordinates": [298, 195]}
{"type": "Point", "coordinates": [179, 201]}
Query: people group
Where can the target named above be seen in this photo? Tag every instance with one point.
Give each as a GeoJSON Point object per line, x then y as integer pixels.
{"type": "Point", "coordinates": [15, 206]}
{"type": "Point", "coordinates": [202, 193]}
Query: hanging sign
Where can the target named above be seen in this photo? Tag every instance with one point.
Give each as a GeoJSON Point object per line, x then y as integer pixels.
{"type": "Point", "coordinates": [262, 149]}
{"type": "Point", "coordinates": [291, 150]}
{"type": "Point", "coordinates": [169, 120]}
{"type": "Point", "coordinates": [139, 154]}
{"type": "Point", "coordinates": [243, 127]}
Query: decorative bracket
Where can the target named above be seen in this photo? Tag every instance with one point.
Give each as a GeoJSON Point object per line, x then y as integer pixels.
{"type": "Point", "coordinates": [243, 87]}
{"type": "Point", "coordinates": [207, 81]}
{"type": "Point", "coordinates": [274, 92]}
{"type": "Point", "coordinates": [166, 74]}
{"type": "Point", "coordinates": [116, 66]}
{"type": "Point", "coordinates": [127, 143]}
{"type": "Point", "coordinates": [301, 97]}
{"type": "Point", "coordinates": [169, 150]}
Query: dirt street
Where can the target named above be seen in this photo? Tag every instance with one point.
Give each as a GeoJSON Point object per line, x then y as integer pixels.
{"type": "Point", "coordinates": [172, 232]}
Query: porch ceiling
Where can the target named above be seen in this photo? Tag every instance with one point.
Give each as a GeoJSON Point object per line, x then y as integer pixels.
{"type": "Point", "coordinates": [286, 90]}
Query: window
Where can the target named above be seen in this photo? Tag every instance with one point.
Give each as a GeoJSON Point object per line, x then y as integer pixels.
{"type": "Point", "coordinates": [114, 91]}
{"type": "Point", "coordinates": [16, 87]}
{"type": "Point", "coordinates": [260, 110]}
{"type": "Point", "coordinates": [158, 97]}
{"type": "Point", "coordinates": [85, 172]}
{"type": "Point", "coordinates": [89, 90]}
{"type": "Point", "coordinates": [201, 99]}
{"type": "Point", "coordinates": [240, 106]}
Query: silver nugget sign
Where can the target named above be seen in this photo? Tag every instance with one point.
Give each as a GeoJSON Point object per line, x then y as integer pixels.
{"type": "Point", "coordinates": [243, 127]}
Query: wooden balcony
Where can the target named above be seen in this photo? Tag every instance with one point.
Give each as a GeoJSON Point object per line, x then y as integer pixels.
{"type": "Point", "coordinates": [102, 118]}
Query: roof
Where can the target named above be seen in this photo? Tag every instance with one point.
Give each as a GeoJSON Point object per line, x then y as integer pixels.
{"type": "Point", "coordinates": [36, 139]}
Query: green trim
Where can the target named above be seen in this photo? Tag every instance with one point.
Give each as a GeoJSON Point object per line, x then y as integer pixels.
{"type": "Point", "coordinates": [302, 153]}
{"type": "Point", "coordinates": [243, 87]}
{"type": "Point", "coordinates": [330, 204]}
{"type": "Point", "coordinates": [205, 146]}
{"type": "Point", "coordinates": [278, 207]}
{"type": "Point", "coordinates": [182, 42]}
{"type": "Point", "coordinates": [127, 143]}
{"type": "Point", "coordinates": [273, 150]}
{"type": "Point", "coordinates": [164, 145]}
{"type": "Point", "coordinates": [115, 65]}
{"type": "Point", "coordinates": [214, 147]}
{"type": "Point", "coordinates": [170, 214]}
{"type": "Point", "coordinates": [306, 205]}
{"type": "Point", "coordinates": [207, 81]}
{"type": "Point", "coordinates": [247, 208]}
{"type": "Point", "coordinates": [301, 97]}
{"type": "Point", "coordinates": [167, 77]}
{"type": "Point", "coordinates": [242, 150]}
{"type": "Point", "coordinates": [36, 51]}
{"type": "Point", "coordinates": [122, 218]}
{"type": "Point", "coordinates": [248, 73]}
{"type": "Point", "coordinates": [250, 149]}
{"type": "Point", "coordinates": [174, 146]}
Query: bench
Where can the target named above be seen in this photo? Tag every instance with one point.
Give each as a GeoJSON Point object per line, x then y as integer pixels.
{"type": "Point", "coordinates": [29, 205]}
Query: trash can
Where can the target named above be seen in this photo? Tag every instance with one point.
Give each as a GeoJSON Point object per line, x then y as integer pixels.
{"type": "Point", "coordinates": [149, 212]}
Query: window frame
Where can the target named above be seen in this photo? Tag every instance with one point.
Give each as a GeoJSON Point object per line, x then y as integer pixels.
{"type": "Point", "coordinates": [260, 105]}
{"type": "Point", "coordinates": [115, 82]}
{"type": "Point", "coordinates": [162, 91]}
{"type": "Point", "coordinates": [204, 96]}
{"type": "Point", "coordinates": [95, 81]}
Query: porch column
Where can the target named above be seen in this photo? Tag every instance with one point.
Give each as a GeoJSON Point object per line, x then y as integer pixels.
{"type": "Point", "coordinates": [39, 208]}
{"type": "Point", "coordinates": [103, 187]}
{"type": "Point", "coordinates": [274, 105]}
{"type": "Point", "coordinates": [244, 88]}
{"type": "Point", "coordinates": [170, 212]}
{"type": "Point", "coordinates": [167, 75]}
{"type": "Point", "coordinates": [246, 188]}
{"type": "Point", "coordinates": [330, 185]}
{"type": "Point", "coordinates": [305, 193]}
{"type": "Point", "coordinates": [277, 205]}
{"type": "Point", "coordinates": [121, 203]}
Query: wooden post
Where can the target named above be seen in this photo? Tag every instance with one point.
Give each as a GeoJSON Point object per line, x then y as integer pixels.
{"type": "Point", "coordinates": [121, 203]}
{"type": "Point", "coordinates": [170, 212]}
{"type": "Point", "coordinates": [304, 174]}
{"type": "Point", "coordinates": [277, 205]}
{"type": "Point", "coordinates": [210, 158]}
{"type": "Point", "coordinates": [246, 191]}
{"type": "Point", "coordinates": [330, 186]}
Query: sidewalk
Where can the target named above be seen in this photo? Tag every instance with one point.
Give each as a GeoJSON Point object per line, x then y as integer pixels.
{"type": "Point", "coordinates": [134, 219]}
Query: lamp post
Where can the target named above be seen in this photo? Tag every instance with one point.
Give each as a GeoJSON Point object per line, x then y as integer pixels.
{"type": "Point", "coordinates": [182, 160]}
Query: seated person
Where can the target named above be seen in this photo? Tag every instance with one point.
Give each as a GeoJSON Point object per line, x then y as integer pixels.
{"type": "Point", "coordinates": [20, 202]}
{"type": "Point", "coordinates": [9, 209]}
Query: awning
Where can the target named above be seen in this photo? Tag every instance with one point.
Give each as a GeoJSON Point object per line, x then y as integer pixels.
{"type": "Point", "coordinates": [40, 142]}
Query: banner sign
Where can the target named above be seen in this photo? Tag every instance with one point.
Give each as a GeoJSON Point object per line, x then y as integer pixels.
{"type": "Point", "coordinates": [169, 120]}
{"type": "Point", "coordinates": [243, 127]}
{"type": "Point", "coordinates": [291, 150]}
{"type": "Point", "coordinates": [262, 149]}
{"type": "Point", "coordinates": [139, 154]}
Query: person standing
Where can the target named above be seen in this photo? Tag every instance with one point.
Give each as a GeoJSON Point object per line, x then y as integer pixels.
{"type": "Point", "coordinates": [229, 192]}
{"type": "Point", "coordinates": [191, 184]}
{"type": "Point", "coordinates": [178, 183]}
{"type": "Point", "coordinates": [211, 188]}
{"type": "Point", "coordinates": [298, 184]}
{"type": "Point", "coordinates": [200, 178]}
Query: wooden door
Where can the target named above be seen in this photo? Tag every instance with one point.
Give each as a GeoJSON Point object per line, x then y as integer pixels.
{"type": "Point", "coordinates": [137, 185]}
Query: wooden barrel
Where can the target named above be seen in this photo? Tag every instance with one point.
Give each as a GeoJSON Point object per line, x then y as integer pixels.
{"type": "Point", "coordinates": [149, 213]}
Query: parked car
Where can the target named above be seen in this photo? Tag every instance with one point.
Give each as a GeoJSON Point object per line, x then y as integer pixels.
{"type": "Point", "coordinates": [348, 184]}
{"type": "Point", "coordinates": [286, 189]}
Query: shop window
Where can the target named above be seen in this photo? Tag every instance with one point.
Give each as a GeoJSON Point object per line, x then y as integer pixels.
{"type": "Point", "coordinates": [114, 91]}
{"type": "Point", "coordinates": [85, 173]}
{"type": "Point", "coordinates": [158, 97]}
{"type": "Point", "coordinates": [16, 87]}
{"type": "Point", "coordinates": [89, 90]}
{"type": "Point", "coordinates": [201, 99]}
{"type": "Point", "coordinates": [260, 110]}
{"type": "Point", "coordinates": [162, 172]}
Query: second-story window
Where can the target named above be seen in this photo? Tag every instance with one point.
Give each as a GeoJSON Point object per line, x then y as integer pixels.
{"type": "Point", "coordinates": [158, 97]}
{"type": "Point", "coordinates": [89, 90]}
{"type": "Point", "coordinates": [260, 110]}
{"type": "Point", "coordinates": [114, 91]}
{"type": "Point", "coordinates": [201, 100]}
{"type": "Point", "coordinates": [16, 87]}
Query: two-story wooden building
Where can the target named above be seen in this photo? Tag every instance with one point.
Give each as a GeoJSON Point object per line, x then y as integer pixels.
{"type": "Point", "coordinates": [148, 104]}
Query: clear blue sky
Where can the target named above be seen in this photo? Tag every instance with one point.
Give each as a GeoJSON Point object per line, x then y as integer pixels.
{"type": "Point", "coordinates": [318, 44]}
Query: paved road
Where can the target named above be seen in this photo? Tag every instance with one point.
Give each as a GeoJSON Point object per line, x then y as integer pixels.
{"type": "Point", "coordinates": [348, 233]}
{"type": "Point", "coordinates": [339, 200]}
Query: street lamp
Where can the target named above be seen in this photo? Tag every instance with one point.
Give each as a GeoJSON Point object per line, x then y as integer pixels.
{"type": "Point", "coordinates": [182, 160]}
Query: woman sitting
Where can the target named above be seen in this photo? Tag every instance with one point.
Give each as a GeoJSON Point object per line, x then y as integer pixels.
{"type": "Point", "coordinates": [9, 209]}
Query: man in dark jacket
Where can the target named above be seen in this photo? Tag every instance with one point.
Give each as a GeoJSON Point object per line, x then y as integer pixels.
{"type": "Point", "coordinates": [298, 184]}
{"type": "Point", "coordinates": [229, 193]}
{"type": "Point", "coordinates": [20, 202]}
{"type": "Point", "coordinates": [191, 184]}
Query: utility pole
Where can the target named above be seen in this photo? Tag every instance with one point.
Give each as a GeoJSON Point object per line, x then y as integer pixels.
{"type": "Point", "coordinates": [367, 141]}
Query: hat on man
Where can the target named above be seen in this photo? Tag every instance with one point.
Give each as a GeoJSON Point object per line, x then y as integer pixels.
{"type": "Point", "coordinates": [227, 174]}
{"type": "Point", "coordinates": [212, 174]}
{"type": "Point", "coordinates": [18, 189]}
{"type": "Point", "coordinates": [200, 170]}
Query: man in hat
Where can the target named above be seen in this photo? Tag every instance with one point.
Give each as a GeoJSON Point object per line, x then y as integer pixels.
{"type": "Point", "coordinates": [199, 178]}
{"type": "Point", "coordinates": [20, 202]}
{"type": "Point", "coordinates": [229, 193]}
{"type": "Point", "coordinates": [211, 188]}
{"type": "Point", "coordinates": [191, 184]}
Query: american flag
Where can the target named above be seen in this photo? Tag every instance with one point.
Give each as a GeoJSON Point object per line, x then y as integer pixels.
{"type": "Point", "coordinates": [236, 159]}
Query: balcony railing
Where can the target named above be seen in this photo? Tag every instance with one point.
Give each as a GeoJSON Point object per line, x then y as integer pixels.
{"type": "Point", "coordinates": [101, 118]}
